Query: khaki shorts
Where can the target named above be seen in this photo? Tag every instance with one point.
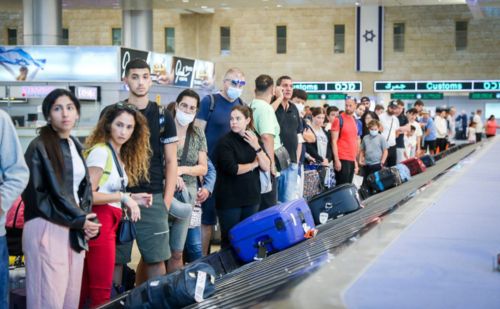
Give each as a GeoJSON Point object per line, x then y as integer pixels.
{"type": "Point", "coordinates": [152, 235]}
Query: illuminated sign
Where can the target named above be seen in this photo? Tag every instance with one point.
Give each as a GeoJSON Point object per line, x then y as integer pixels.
{"type": "Point", "coordinates": [484, 95]}
{"type": "Point", "coordinates": [487, 85]}
{"type": "Point", "coordinates": [31, 92]}
{"type": "Point", "coordinates": [444, 86]}
{"type": "Point", "coordinates": [326, 96]}
{"type": "Point", "coordinates": [417, 96]}
{"type": "Point", "coordinates": [436, 85]}
{"type": "Point", "coordinates": [86, 93]}
{"type": "Point", "coordinates": [328, 87]}
{"type": "Point", "coordinates": [394, 86]}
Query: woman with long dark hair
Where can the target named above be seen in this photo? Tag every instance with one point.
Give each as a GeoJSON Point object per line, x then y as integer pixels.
{"type": "Point", "coordinates": [238, 157]}
{"type": "Point", "coordinates": [58, 200]}
{"type": "Point", "coordinates": [124, 131]}
{"type": "Point", "coordinates": [192, 163]}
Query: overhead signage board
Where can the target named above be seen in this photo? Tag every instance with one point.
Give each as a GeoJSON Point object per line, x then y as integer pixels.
{"type": "Point", "coordinates": [326, 96]}
{"type": "Point", "coordinates": [330, 87]}
{"type": "Point", "coordinates": [436, 86]}
{"type": "Point", "coordinates": [484, 95]}
{"type": "Point", "coordinates": [59, 63]}
{"type": "Point", "coordinates": [417, 96]}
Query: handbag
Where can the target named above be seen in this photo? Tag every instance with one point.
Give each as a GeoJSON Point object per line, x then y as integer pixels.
{"type": "Point", "coordinates": [265, 182]}
{"type": "Point", "coordinates": [181, 208]}
{"type": "Point", "coordinates": [126, 232]}
{"type": "Point", "coordinates": [282, 158]}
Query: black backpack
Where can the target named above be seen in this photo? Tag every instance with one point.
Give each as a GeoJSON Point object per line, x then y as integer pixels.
{"type": "Point", "coordinates": [212, 106]}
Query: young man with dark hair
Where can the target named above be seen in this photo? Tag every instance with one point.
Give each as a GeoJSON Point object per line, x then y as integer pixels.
{"type": "Point", "coordinates": [267, 127]}
{"type": "Point", "coordinates": [366, 102]}
{"type": "Point", "coordinates": [345, 144]}
{"type": "Point", "coordinates": [290, 130]}
{"type": "Point", "coordinates": [390, 123]}
{"type": "Point", "coordinates": [152, 230]}
{"type": "Point", "coordinates": [404, 127]}
{"type": "Point", "coordinates": [213, 117]}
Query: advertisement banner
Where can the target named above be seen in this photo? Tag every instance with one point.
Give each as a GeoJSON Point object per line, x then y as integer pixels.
{"type": "Point", "coordinates": [183, 72]}
{"type": "Point", "coordinates": [59, 63]}
{"type": "Point", "coordinates": [204, 74]}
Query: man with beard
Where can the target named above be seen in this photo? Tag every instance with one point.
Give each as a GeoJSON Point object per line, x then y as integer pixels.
{"type": "Point", "coordinates": [345, 144]}
{"type": "Point", "coordinates": [152, 230]}
{"type": "Point", "coordinates": [390, 123]}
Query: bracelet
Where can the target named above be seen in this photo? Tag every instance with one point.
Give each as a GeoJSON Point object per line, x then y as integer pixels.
{"type": "Point", "coordinates": [258, 150]}
{"type": "Point", "coordinates": [124, 197]}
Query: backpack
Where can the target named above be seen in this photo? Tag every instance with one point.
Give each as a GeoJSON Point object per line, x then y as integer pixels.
{"type": "Point", "coordinates": [108, 167]}
{"type": "Point", "coordinates": [14, 226]}
{"type": "Point", "coordinates": [212, 106]}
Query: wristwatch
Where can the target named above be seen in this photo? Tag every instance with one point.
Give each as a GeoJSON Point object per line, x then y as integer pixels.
{"type": "Point", "coordinates": [258, 150]}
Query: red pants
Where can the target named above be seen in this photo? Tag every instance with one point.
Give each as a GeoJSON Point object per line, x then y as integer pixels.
{"type": "Point", "coordinates": [100, 260]}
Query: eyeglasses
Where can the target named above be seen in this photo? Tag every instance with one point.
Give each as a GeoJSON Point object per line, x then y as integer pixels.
{"type": "Point", "coordinates": [188, 109]}
{"type": "Point", "coordinates": [126, 106]}
{"type": "Point", "coordinates": [236, 82]}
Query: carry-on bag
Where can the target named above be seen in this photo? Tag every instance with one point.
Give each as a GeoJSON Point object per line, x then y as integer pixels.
{"type": "Point", "coordinates": [415, 165]}
{"type": "Point", "coordinates": [404, 172]}
{"type": "Point", "coordinates": [223, 261]}
{"type": "Point", "coordinates": [384, 179]}
{"type": "Point", "coordinates": [271, 230]}
{"type": "Point", "coordinates": [428, 160]}
{"type": "Point", "coordinates": [14, 227]}
{"type": "Point", "coordinates": [312, 183]}
{"type": "Point", "coordinates": [334, 203]}
{"type": "Point", "coordinates": [194, 283]}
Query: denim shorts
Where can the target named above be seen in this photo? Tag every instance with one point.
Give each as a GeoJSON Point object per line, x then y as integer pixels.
{"type": "Point", "coordinates": [209, 215]}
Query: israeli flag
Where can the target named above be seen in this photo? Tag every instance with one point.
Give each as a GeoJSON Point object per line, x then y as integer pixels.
{"type": "Point", "coordinates": [369, 38]}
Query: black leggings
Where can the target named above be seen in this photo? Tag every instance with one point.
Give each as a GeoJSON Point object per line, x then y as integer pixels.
{"type": "Point", "coordinates": [392, 156]}
{"type": "Point", "coordinates": [229, 217]}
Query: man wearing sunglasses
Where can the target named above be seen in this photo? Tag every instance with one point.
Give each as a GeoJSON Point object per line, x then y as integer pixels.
{"type": "Point", "coordinates": [213, 117]}
{"type": "Point", "coordinates": [152, 230]}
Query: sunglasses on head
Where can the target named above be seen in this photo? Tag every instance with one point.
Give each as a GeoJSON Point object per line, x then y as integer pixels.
{"type": "Point", "coordinates": [237, 82]}
{"type": "Point", "coordinates": [126, 106]}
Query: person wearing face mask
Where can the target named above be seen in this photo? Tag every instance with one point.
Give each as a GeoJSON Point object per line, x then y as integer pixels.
{"type": "Point", "coordinates": [192, 163]}
{"type": "Point", "coordinates": [213, 117]}
{"type": "Point", "coordinates": [373, 152]}
{"type": "Point", "coordinates": [238, 157]}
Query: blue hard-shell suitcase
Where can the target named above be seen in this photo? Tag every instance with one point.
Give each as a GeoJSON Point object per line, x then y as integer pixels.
{"type": "Point", "coordinates": [334, 203]}
{"type": "Point", "coordinates": [271, 230]}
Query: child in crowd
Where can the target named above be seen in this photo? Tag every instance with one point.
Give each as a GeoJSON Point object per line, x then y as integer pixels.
{"type": "Point", "coordinates": [373, 149]}
{"type": "Point", "coordinates": [411, 143]}
{"type": "Point", "coordinates": [471, 132]}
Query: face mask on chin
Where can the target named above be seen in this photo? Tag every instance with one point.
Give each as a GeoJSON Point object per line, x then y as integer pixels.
{"type": "Point", "coordinates": [183, 118]}
{"type": "Point", "coordinates": [234, 93]}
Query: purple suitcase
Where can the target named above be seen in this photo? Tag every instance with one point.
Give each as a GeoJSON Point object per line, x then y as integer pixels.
{"type": "Point", "coordinates": [271, 230]}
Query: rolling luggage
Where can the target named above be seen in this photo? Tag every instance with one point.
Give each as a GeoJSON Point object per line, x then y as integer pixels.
{"type": "Point", "coordinates": [312, 183]}
{"type": "Point", "coordinates": [415, 165]}
{"type": "Point", "coordinates": [428, 160]}
{"type": "Point", "coordinates": [404, 172]}
{"type": "Point", "coordinates": [271, 230]}
{"type": "Point", "coordinates": [223, 261]}
{"type": "Point", "coordinates": [14, 224]}
{"type": "Point", "coordinates": [194, 283]}
{"type": "Point", "coordinates": [334, 203]}
{"type": "Point", "coordinates": [384, 179]}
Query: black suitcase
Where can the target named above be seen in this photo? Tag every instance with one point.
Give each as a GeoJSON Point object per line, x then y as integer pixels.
{"type": "Point", "coordinates": [223, 261]}
{"type": "Point", "coordinates": [334, 203]}
{"type": "Point", "coordinates": [428, 160]}
{"type": "Point", "coordinates": [384, 179]}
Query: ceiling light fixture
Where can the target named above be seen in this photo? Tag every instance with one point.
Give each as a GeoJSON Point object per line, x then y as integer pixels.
{"type": "Point", "coordinates": [204, 7]}
{"type": "Point", "coordinates": [185, 1]}
{"type": "Point", "coordinates": [278, 5]}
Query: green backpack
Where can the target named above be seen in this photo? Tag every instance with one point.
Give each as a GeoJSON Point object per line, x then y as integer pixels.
{"type": "Point", "coordinates": [108, 167]}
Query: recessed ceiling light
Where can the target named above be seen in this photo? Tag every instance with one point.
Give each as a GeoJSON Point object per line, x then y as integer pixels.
{"type": "Point", "coordinates": [278, 5]}
{"type": "Point", "coordinates": [356, 3]}
{"type": "Point", "coordinates": [185, 1]}
{"type": "Point", "coordinates": [204, 7]}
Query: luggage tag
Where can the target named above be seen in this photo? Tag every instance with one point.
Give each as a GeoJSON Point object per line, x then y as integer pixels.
{"type": "Point", "coordinates": [323, 216]}
{"type": "Point", "coordinates": [200, 286]}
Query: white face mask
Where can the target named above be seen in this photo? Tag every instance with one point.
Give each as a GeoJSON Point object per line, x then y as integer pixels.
{"type": "Point", "coordinates": [183, 118]}
{"type": "Point", "coordinates": [234, 93]}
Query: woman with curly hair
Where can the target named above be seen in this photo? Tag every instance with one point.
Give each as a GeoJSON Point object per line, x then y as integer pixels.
{"type": "Point", "coordinates": [124, 131]}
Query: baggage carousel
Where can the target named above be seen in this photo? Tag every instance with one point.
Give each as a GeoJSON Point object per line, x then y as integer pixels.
{"type": "Point", "coordinates": [357, 261]}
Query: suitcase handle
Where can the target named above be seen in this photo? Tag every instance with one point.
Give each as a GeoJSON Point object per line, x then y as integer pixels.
{"type": "Point", "coordinates": [261, 249]}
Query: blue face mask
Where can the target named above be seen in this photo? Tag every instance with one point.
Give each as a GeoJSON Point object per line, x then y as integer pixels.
{"type": "Point", "coordinates": [234, 93]}
{"type": "Point", "coordinates": [373, 132]}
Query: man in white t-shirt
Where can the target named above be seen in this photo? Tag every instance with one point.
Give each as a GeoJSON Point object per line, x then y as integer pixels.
{"type": "Point", "coordinates": [412, 115]}
{"type": "Point", "coordinates": [479, 124]}
{"type": "Point", "coordinates": [390, 124]}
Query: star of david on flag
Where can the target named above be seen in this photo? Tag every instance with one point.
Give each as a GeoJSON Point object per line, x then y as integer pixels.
{"type": "Point", "coordinates": [369, 38]}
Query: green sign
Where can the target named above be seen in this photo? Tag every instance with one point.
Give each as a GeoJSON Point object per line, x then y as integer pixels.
{"type": "Point", "coordinates": [326, 96]}
{"type": "Point", "coordinates": [487, 85]}
{"type": "Point", "coordinates": [325, 87]}
{"type": "Point", "coordinates": [484, 95]}
{"type": "Point", "coordinates": [445, 85]}
{"type": "Point", "coordinates": [417, 96]}
{"type": "Point", "coordinates": [394, 86]}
